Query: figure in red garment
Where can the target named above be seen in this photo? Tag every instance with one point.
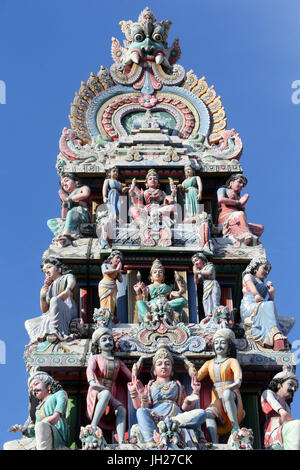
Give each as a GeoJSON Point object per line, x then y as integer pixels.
{"type": "Point", "coordinates": [102, 373]}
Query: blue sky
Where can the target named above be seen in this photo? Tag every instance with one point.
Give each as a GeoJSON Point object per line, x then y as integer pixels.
{"type": "Point", "coordinates": [248, 50]}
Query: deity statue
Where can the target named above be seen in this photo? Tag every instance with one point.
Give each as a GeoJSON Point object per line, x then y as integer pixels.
{"type": "Point", "coordinates": [205, 272]}
{"type": "Point", "coordinates": [232, 215]}
{"type": "Point", "coordinates": [157, 294]}
{"type": "Point", "coordinates": [282, 431]}
{"type": "Point", "coordinates": [102, 373]}
{"type": "Point", "coordinates": [162, 398]}
{"type": "Point", "coordinates": [74, 212]}
{"type": "Point", "coordinates": [107, 288]}
{"type": "Point", "coordinates": [152, 210]}
{"type": "Point", "coordinates": [225, 412]}
{"type": "Point", "coordinates": [111, 191]}
{"type": "Point", "coordinates": [56, 302]}
{"type": "Point", "coordinates": [259, 315]}
{"type": "Point", "coordinates": [191, 187]}
{"type": "Point", "coordinates": [50, 429]}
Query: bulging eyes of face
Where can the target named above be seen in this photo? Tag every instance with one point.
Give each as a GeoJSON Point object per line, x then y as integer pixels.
{"type": "Point", "coordinates": [139, 37]}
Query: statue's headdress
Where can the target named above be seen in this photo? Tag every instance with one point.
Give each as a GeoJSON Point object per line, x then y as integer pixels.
{"type": "Point", "coordinates": [163, 352]}
{"type": "Point", "coordinates": [225, 333]}
{"type": "Point", "coordinates": [157, 264]}
{"type": "Point", "coordinates": [100, 332]}
{"type": "Point", "coordinates": [151, 172]}
{"type": "Point", "coordinates": [286, 373]}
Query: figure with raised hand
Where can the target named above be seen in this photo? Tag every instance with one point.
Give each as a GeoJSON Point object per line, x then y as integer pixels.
{"type": "Point", "coordinates": [225, 412]}
{"type": "Point", "coordinates": [159, 293]}
{"type": "Point", "coordinates": [56, 302]}
{"type": "Point", "coordinates": [163, 397]}
{"type": "Point", "coordinates": [258, 311]}
{"type": "Point", "coordinates": [74, 198]}
{"type": "Point", "coordinates": [50, 429]}
{"type": "Point", "coordinates": [282, 431]}
{"type": "Point", "coordinates": [107, 288]}
{"type": "Point", "coordinates": [102, 373]}
{"type": "Point", "coordinates": [205, 272]}
{"type": "Point", "coordinates": [232, 215]}
{"type": "Point", "coordinates": [152, 210]}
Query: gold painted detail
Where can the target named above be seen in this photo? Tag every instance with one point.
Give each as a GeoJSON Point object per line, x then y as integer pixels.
{"type": "Point", "coordinates": [207, 94]}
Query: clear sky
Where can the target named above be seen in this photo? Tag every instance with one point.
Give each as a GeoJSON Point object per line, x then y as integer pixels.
{"type": "Point", "coordinates": [249, 50]}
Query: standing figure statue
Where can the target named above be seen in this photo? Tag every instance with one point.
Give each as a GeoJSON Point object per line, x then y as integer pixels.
{"type": "Point", "coordinates": [205, 272]}
{"type": "Point", "coordinates": [226, 409]}
{"type": "Point", "coordinates": [191, 187]}
{"type": "Point", "coordinates": [159, 293]}
{"type": "Point", "coordinates": [102, 373]}
{"type": "Point", "coordinates": [107, 287]}
{"type": "Point", "coordinates": [162, 397]}
{"type": "Point", "coordinates": [282, 431]}
{"type": "Point", "coordinates": [50, 430]}
{"type": "Point", "coordinates": [75, 211]}
{"type": "Point", "coordinates": [259, 315]}
{"type": "Point", "coordinates": [232, 215]}
{"type": "Point", "coordinates": [56, 302]}
{"type": "Point", "coordinates": [111, 191]}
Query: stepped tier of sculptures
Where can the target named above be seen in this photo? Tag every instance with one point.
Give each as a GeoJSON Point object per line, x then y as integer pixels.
{"type": "Point", "coordinates": [155, 308]}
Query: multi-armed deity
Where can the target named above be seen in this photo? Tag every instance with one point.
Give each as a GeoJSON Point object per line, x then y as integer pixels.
{"type": "Point", "coordinates": [155, 281]}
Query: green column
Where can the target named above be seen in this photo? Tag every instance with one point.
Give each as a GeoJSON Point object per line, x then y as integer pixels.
{"type": "Point", "coordinates": [251, 420]}
{"type": "Point", "coordinates": [72, 420]}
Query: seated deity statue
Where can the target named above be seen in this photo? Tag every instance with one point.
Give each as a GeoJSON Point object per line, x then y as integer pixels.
{"type": "Point", "coordinates": [159, 298]}
{"type": "Point", "coordinates": [152, 210]}
{"type": "Point", "coordinates": [258, 311]}
{"type": "Point", "coordinates": [56, 302]}
{"type": "Point", "coordinates": [75, 211]}
{"type": "Point", "coordinates": [163, 398]}
{"type": "Point", "coordinates": [49, 430]}
{"type": "Point", "coordinates": [232, 215]}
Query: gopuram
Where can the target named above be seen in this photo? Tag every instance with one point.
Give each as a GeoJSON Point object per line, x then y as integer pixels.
{"type": "Point", "coordinates": [158, 326]}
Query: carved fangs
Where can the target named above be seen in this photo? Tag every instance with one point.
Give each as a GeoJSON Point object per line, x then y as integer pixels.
{"type": "Point", "coordinates": [159, 58]}
{"type": "Point", "coordinates": [135, 57]}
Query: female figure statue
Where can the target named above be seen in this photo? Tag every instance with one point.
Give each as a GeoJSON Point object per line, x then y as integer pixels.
{"type": "Point", "coordinates": [226, 409]}
{"type": "Point", "coordinates": [232, 215]}
{"type": "Point", "coordinates": [111, 191]}
{"type": "Point", "coordinates": [205, 272]}
{"type": "Point", "coordinates": [75, 211]}
{"type": "Point", "coordinates": [159, 293]}
{"type": "Point", "coordinates": [107, 287]}
{"type": "Point", "coordinates": [192, 190]}
{"type": "Point", "coordinates": [258, 314]}
{"type": "Point", "coordinates": [56, 302]}
{"type": "Point", "coordinates": [102, 373]}
{"type": "Point", "coordinates": [162, 397]}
